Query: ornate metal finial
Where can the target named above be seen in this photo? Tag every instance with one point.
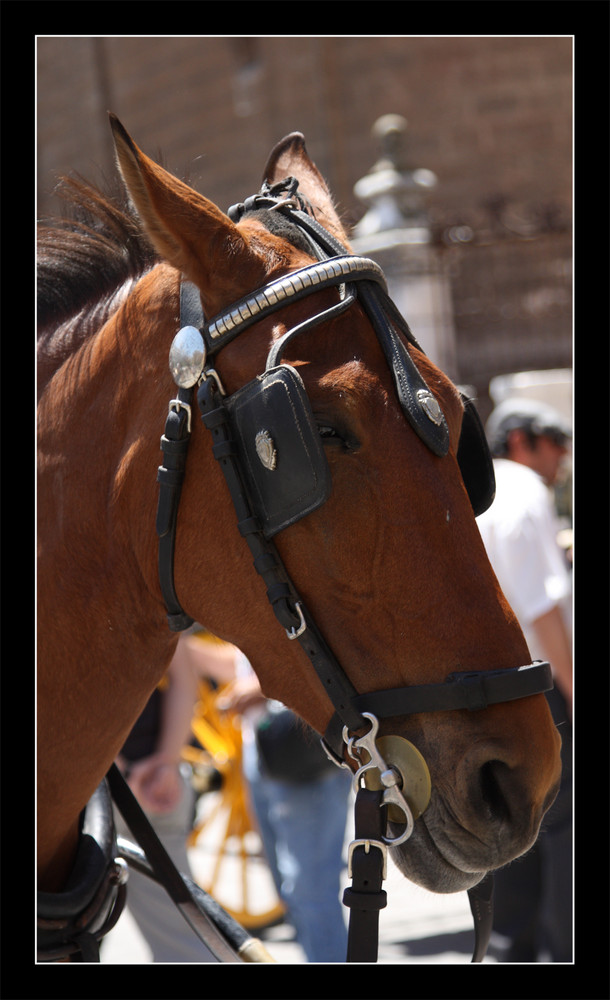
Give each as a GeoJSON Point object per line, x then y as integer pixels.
{"type": "Point", "coordinates": [394, 193]}
{"type": "Point", "coordinates": [390, 131]}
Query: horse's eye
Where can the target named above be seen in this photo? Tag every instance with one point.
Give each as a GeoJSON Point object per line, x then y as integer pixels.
{"type": "Point", "coordinates": [337, 438]}
{"type": "Point", "coordinates": [327, 432]}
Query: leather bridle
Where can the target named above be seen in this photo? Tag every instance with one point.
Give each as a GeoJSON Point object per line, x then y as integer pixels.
{"type": "Point", "coordinates": [360, 278]}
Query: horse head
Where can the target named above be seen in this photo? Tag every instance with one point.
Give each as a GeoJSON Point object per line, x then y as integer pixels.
{"type": "Point", "coordinates": [389, 563]}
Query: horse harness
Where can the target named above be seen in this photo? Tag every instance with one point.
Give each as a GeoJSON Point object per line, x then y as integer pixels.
{"type": "Point", "coordinates": [268, 445]}
{"type": "Point", "coordinates": [72, 922]}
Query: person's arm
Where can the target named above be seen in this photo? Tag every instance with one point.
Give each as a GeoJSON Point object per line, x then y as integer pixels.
{"type": "Point", "coordinates": [218, 661]}
{"type": "Point", "coordinates": [212, 659]}
{"type": "Point", "coordinates": [155, 780]}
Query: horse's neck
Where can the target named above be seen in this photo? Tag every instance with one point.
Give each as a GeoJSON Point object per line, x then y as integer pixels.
{"type": "Point", "coordinates": [62, 340]}
{"type": "Point", "coordinates": [93, 460]}
{"type": "Point", "coordinates": [103, 643]}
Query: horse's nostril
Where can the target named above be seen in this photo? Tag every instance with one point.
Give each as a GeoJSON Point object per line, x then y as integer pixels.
{"type": "Point", "coordinates": [493, 774]}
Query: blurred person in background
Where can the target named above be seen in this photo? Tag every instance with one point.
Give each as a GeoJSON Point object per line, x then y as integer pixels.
{"type": "Point", "coordinates": [529, 441]}
{"type": "Point", "coordinates": [151, 763]}
{"type": "Point", "coordinates": [300, 802]}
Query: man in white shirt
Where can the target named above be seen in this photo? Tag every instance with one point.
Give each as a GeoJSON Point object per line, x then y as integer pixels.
{"type": "Point", "coordinates": [533, 896]}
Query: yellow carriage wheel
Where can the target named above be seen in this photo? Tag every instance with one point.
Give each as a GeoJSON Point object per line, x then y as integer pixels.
{"type": "Point", "coordinates": [225, 849]}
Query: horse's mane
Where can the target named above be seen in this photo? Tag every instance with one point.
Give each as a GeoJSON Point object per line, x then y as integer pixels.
{"type": "Point", "coordinates": [87, 253]}
{"type": "Point", "coordinates": [97, 244]}
{"type": "Point", "coordinates": [84, 257]}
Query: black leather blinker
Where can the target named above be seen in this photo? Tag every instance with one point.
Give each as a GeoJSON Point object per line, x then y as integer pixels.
{"type": "Point", "coordinates": [279, 445]}
{"type": "Point", "coordinates": [475, 461]}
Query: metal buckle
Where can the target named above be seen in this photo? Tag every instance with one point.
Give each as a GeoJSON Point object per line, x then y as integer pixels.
{"type": "Point", "coordinates": [294, 633]}
{"type": "Point", "coordinates": [367, 844]}
{"type": "Point", "coordinates": [178, 404]}
{"type": "Point", "coordinates": [291, 201]}
{"type": "Point", "coordinates": [390, 778]}
{"type": "Point", "coordinates": [213, 374]}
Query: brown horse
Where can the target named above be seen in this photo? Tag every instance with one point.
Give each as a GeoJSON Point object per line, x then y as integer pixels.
{"type": "Point", "coordinates": [391, 565]}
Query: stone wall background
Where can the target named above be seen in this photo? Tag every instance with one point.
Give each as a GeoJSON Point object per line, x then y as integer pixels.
{"type": "Point", "coordinates": [490, 116]}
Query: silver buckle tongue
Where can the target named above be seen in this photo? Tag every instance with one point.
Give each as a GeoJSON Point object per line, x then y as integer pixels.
{"type": "Point", "coordinates": [390, 778]}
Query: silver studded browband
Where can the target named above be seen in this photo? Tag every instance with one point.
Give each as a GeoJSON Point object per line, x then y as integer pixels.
{"type": "Point", "coordinates": [253, 307]}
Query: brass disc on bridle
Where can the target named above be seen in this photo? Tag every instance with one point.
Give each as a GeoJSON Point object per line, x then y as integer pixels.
{"type": "Point", "coordinates": [408, 761]}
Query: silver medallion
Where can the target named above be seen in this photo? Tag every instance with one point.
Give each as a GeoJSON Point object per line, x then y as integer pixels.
{"type": "Point", "coordinates": [430, 406]}
{"type": "Point", "coordinates": [265, 449]}
{"type": "Point", "coordinates": [187, 356]}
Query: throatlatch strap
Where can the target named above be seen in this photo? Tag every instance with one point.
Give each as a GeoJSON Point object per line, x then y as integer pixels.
{"type": "Point", "coordinates": [367, 867]}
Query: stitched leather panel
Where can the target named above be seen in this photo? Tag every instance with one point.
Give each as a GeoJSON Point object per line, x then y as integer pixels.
{"type": "Point", "coordinates": [274, 411]}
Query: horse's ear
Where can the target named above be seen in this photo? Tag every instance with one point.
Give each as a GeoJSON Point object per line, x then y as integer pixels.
{"type": "Point", "coordinates": [183, 226]}
{"type": "Point", "coordinates": [291, 159]}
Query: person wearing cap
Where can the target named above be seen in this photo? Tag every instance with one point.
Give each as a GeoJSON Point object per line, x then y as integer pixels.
{"type": "Point", "coordinates": [528, 440]}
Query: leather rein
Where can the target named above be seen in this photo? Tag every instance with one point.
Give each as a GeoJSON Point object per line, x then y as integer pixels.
{"type": "Point", "coordinates": [361, 278]}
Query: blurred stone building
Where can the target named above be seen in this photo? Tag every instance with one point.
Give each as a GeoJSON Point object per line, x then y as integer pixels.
{"type": "Point", "coordinates": [488, 121]}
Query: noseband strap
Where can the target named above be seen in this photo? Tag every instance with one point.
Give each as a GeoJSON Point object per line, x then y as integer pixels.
{"type": "Point", "coordinates": [467, 690]}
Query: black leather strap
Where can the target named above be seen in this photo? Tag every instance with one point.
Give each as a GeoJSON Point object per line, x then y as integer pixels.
{"type": "Point", "coordinates": [164, 870]}
{"type": "Point", "coordinates": [365, 898]}
{"type": "Point", "coordinates": [280, 590]}
{"type": "Point", "coordinates": [174, 444]}
{"type": "Point", "coordinates": [480, 898]}
{"type": "Point", "coordinates": [472, 690]}
{"type": "Point", "coordinates": [407, 379]}
{"type": "Point", "coordinates": [191, 310]}
{"type": "Point", "coordinates": [377, 304]}
{"type": "Point", "coordinates": [72, 922]}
